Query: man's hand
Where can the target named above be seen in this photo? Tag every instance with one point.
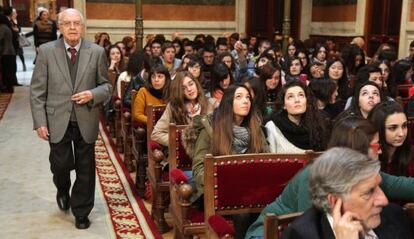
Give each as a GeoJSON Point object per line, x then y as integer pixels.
{"type": "Point", "coordinates": [43, 132]}
{"type": "Point", "coordinates": [345, 226]}
{"type": "Point", "coordinates": [82, 97]}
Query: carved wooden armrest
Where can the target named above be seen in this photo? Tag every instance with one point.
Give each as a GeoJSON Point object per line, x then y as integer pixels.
{"type": "Point", "coordinates": [184, 189]}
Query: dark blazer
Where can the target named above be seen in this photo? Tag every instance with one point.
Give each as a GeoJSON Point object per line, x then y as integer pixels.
{"type": "Point", "coordinates": [313, 224]}
{"type": "Point", "coordinates": [51, 89]}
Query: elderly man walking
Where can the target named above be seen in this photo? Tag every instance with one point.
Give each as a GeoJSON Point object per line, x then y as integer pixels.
{"type": "Point", "coordinates": [348, 202]}
{"type": "Point", "coordinates": [68, 85]}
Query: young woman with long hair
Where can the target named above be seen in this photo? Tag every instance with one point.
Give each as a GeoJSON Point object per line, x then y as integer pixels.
{"type": "Point", "coordinates": [221, 79]}
{"type": "Point", "coordinates": [325, 92]}
{"type": "Point", "coordinates": [392, 124]}
{"type": "Point", "coordinates": [293, 69]}
{"type": "Point", "coordinates": [389, 85]}
{"type": "Point", "coordinates": [352, 132]}
{"type": "Point", "coordinates": [233, 128]}
{"type": "Point", "coordinates": [271, 79]}
{"type": "Point", "coordinates": [320, 54]}
{"type": "Point", "coordinates": [336, 71]}
{"type": "Point", "coordinates": [299, 126]}
{"type": "Point", "coordinates": [186, 100]}
{"type": "Point", "coordinates": [155, 92]}
{"type": "Point", "coordinates": [116, 64]}
{"type": "Point", "coordinates": [366, 96]}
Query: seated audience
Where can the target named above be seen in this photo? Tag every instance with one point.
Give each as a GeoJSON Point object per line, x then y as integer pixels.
{"type": "Point", "coordinates": [366, 96]}
{"type": "Point", "coordinates": [347, 201]}
{"type": "Point", "coordinates": [133, 69]}
{"type": "Point", "coordinates": [154, 92]}
{"type": "Point", "coordinates": [270, 77]}
{"type": "Point", "coordinates": [293, 69]}
{"type": "Point", "coordinates": [233, 128]}
{"type": "Point", "coordinates": [353, 132]}
{"type": "Point", "coordinates": [320, 54]}
{"type": "Point", "coordinates": [303, 55]}
{"type": "Point", "coordinates": [186, 101]}
{"type": "Point", "coordinates": [391, 121]}
{"type": "Point", "coordinates": [140, 79]}
{"type": "Point", "coordinates": [325, 92]}
{"type": "Point", "coordinates": [368, 73]}
{"type": "Point", "coordinates": [116, 64]}
{"type": "Point", "coordinates": [298, 127]}
{"type": "Point", "coordinates": [168, 58]}
{"type": "Point", "coordinates": [221, 79]}
{"type": "Point", "coordinates": [336, 72]}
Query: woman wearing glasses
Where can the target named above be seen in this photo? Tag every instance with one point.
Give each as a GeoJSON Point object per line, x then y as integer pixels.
{"type": "Point", "coordinates": [392, 124]}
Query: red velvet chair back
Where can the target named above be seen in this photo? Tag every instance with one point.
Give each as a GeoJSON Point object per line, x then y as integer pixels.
{"type": "Point", "coordinates": [246, 183]}
{"type": "Point", "coordinates": [178, 157]}
{"type": "Point", "coordinates": [154, 113]}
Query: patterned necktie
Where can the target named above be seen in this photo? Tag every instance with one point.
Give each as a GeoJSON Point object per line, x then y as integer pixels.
{"type": "Point", "coordinates": [72, 55]}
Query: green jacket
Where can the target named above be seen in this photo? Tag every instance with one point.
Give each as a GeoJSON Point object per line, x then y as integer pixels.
{"type": "Point", "coordinates": [203, 129]}
{"type": "Point", "coordinates": [295, 197]}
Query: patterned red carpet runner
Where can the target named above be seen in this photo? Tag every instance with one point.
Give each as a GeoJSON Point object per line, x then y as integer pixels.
{"type": "Point", "coordinates": [4, 102]}
{"type": "Point", "coordinates": [128, 215]}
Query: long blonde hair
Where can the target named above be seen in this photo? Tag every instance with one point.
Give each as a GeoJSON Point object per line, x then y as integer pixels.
{"type": "Point", "coordinates": [177, 98]}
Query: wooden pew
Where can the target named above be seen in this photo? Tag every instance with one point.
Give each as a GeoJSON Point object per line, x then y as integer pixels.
{"type": "Point", "coordinates": [234, 184]}
{"type": "Point", "coordinates": [141, 135]}
{"type": "Point", "coordinates": [123, 133]}
{"type": "Point", "coordinates": [274, 224]}
{"type": "Point", "coordinates": [177, 158]}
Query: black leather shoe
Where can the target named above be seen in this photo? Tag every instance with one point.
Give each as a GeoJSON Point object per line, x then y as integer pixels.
{"type": "Point", "coordinates": [82, 222]}
{"type": "Point", "coordinates": [63, 201]}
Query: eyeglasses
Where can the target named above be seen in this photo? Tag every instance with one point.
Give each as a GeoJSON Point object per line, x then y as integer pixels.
{"type": "Point", "coordinates": [376, 147]}
{"type": "Point", "coordinates": [69, 23]}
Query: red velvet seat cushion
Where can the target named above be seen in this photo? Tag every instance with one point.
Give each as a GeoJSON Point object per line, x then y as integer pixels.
{"type": "Point", "coordinates": [261, 184]}
{"type": "Point", "coordinates": [153, 145]}
{"type": "Point", "coordinates": [195, 215]}
{"type": "Point", "coordinates": [220, 226]}
{"type": "Point", "coordinates": [177, 176]}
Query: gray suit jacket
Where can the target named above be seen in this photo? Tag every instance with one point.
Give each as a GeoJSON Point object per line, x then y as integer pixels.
{"type": "Point", "coordinates": [51, 89]}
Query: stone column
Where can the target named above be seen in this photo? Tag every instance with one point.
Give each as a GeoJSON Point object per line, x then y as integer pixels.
{"type": "Point", "coordinates": [240, 9]}
{"type": "Point", "coordinates": [305, 19]}
{"type": "Point", "coordinates": [81, 7]}
{"type": "Point", "coordinates": [139, 24]}
{"type": "Point", "coordinates": [286, 25]}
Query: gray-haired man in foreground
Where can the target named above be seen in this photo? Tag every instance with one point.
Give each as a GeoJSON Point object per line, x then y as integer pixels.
{"type": "Point", "coordinates": [348, 202]}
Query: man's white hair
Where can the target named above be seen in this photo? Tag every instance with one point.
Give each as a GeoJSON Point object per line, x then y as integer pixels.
{"type": "Point", "coordinates": [67, 10]}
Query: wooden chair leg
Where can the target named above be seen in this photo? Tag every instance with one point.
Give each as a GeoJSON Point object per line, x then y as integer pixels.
{"type": "Point", "coordinates": [118, 126]}
{"type": "Point", "coordinates": [158, 210]}
{"type": "Point", "coordinates": [141, 160]}
{"type": "Point", "coordinates": [127, 142]}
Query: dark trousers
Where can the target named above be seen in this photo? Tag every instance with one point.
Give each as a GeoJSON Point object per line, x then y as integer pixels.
{"type": "Point", "coordinates": [81, 156]}
{"type": "Point", "coordinates": [9, 67]}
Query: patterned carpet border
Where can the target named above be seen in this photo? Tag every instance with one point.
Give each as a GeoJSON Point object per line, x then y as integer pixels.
{"type": "Point", "coordinates": [129, 219]}
{"type": "Point", "coordinates": [4, 102]}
